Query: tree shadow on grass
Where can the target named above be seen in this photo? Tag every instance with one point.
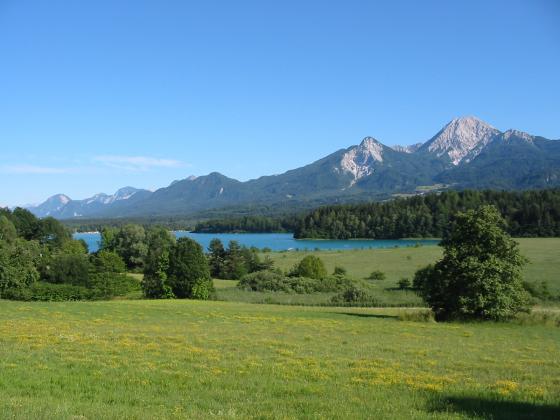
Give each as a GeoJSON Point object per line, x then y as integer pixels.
{"type": "Point", "coordinates": [361, 315]}
{"type": "Point", "coordinates": [495, 409]}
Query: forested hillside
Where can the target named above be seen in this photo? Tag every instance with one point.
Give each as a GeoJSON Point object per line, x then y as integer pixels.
{"type": "Point", "coordinates": [530, 213]}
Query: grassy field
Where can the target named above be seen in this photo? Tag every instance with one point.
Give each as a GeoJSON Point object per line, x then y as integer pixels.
{"type": "Point", "coordinates": [543, 253]}
{"type": "Point", "coordinates": [189, 359]}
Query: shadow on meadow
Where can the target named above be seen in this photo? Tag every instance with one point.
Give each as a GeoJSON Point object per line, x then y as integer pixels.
{"type": "Point", "coordinates": [361, 315]}
{"type": "Point", "coordinates": [494, 409]}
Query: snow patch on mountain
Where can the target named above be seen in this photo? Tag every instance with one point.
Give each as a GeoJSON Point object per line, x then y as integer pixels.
{"type": "Point", "coordinates": [406, 149]}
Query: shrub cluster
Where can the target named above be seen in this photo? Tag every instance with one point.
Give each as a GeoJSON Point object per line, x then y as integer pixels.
{"type": "Point", "coordinates": [272, 281]}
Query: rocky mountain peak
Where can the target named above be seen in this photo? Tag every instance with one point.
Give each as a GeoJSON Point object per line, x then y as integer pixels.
{"type": "Point", "coordinates": [511, 134]}
{"type": "Point", "coordinates": [461, 139]}
{"type": "Point", "coordinates": [359, 160]}
{"type": "Point", "coordinates": [59, 198]}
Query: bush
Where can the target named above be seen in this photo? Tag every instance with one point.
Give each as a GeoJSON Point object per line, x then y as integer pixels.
{"type": "Point", "coordinates": [270, 281]}
{"type": "Point", "coordinates": [69, 269]}
{"type": "Point", "coordinates": [339, 271]}
{"type": "Point", "coordinates": [539, 291]}
{"type": "Point", "coordinates": [311, 267]}
{"type": "Point", "coordinates": [377, 275]}
{"type": "Point", "coordinates": [203, 290]}
{"type": "Point", "coordinates": [46, 292]}
{"type": "Point", "coordinates": [106, 285]}
{"type": "Point", "coordinates": [404, 283]}
{"type": "Point", "coordinates": [354, 295]}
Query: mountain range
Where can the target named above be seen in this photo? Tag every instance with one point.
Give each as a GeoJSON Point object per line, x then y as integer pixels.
{"type": "Point", "coordinates": [465, 153]}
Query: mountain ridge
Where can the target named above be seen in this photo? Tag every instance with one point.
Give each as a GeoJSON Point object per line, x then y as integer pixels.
{"type": "Point", "coordinates": [466, 153]}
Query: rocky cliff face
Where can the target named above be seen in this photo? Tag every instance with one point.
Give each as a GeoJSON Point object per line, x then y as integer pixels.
{"type": "Point", "coordinates": [461, 140]}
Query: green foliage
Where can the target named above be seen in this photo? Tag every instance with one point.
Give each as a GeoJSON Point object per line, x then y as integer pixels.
{"type": "Point", "coordinates": [43, 263]}
{"type": "Point", "coordinates": [310, 266]}
{"type": "Point", "coordinates": [339, 271]}
{"type": "Point", "coordinates": [187, 267]}
{"type": "Point", "coordinates": [155, 285]}
{"type": "Point", "coordinates": [479, 276]}
{"type": "Point", "coordinates": [235, 261]}
{"type": "Point", "coordinates": [104, 285]}
{"type": "Point", "coordinates": [404, 283]}
{"type": "Point", "coordinates": [108, 261]}
{"type": "Point", "coordinates": [73, 247]}
{"type": "Point", "coordinates": [354, 295]}
{"type": "Point", "coordinates": [18, 262]}
{"type": "Point", "coordinates": [529, 213]}
{"type": "Point", "coordinates": [129, 242]}
{"type": "Point", "coordinates": [216, 258]}
{"type": "Point", "coordinates": [48, 292]}
{"type": "Point", "coordinates": [203, 290]}
{"type": "Point", "coordinates": [270, 281]}
{"type": "Point", "coordinates": [540, 290]}
{"type": "Point", "coordinates": [254, 224]}
{"type": "Point", "coordinates": [70, 269]}
{"type": "Point", "coordinates": [235, 265]}
{"type": "Point", "coordinates": [377, 275]}
{"type": "Point", "coordinates": [8, 231]}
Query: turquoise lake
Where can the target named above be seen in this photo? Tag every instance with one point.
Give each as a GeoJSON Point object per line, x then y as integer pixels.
{"type": "Point", "coordinates": [277, 241]}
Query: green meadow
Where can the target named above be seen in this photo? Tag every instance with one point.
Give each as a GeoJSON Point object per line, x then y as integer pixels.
{"type": "Point", "coordinates": [142, 359]}
{"type": "Point", "coordinates": [396, 263]}
{"type": "Point", "coordinates": [191, 359]}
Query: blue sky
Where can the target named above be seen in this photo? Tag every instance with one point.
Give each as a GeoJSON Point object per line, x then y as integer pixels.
{"type": "Point", "coordinates": [103, 94]}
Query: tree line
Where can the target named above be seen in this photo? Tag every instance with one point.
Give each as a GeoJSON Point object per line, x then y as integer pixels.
{"type": "Point", "coordinates": [248, 224]}
{"type": "Point", "coordinates": [528, 213]}
{"type": "Point", "coordinates": [39, 260]}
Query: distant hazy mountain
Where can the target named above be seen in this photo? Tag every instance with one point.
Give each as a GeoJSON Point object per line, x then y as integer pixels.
{"type": "Point", "coordinates": [62, 207]}
{"type": "Point", "coordinates": [466, 153]}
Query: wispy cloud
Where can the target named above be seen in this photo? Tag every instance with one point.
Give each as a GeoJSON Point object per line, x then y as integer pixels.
{"type": "Point", "coordinates": [136, 163]}
{"type": "Point", "coordinates": [33, 169]}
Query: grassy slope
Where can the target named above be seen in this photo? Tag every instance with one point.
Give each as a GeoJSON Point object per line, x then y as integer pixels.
{"type": "Point", "coordinates": [544, 254]}
{"type": "Point", "coordinates": [188, 359]}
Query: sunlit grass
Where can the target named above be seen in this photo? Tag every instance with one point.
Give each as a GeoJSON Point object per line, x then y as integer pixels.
{"type": "Point", "coordinates": [188, 359]}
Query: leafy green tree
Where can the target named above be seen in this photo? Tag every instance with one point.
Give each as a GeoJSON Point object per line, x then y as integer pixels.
{"type": "Point", "coordinates": [187, 267]}
{"type": "Point", "coordinates": [108, 238]}
{"type": "Point", "coordinates": [108, 262]}
{"type": "Point", "coordinates": [310, 266]}
{"type": "Point", "coordinates": [235, 265]}
{"type": "Point", "coordinates": [479, 276]}
{"type": "Point", "coordinates": [18, 265]}
{"type": "Point", "coordinates": [53, 233]}
{"type": "Point", "coordinates": [73, 247]}
{"type": "Point", "coordinates": [130, 244]}
{"type": "Point", "coordinates": [70, 269]}
{"type": "Point", "coordinates": [8, 231]}
{"type": "Point", "coordinates": [216, 258]}
{"type": "Point", "coordinates": [155, 284]}
{"type": "Point", "coordinates": [27, 225]}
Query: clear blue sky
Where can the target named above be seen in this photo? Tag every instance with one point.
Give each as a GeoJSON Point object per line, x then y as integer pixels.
{"type": "Point", "coordinates": [101, 94]}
